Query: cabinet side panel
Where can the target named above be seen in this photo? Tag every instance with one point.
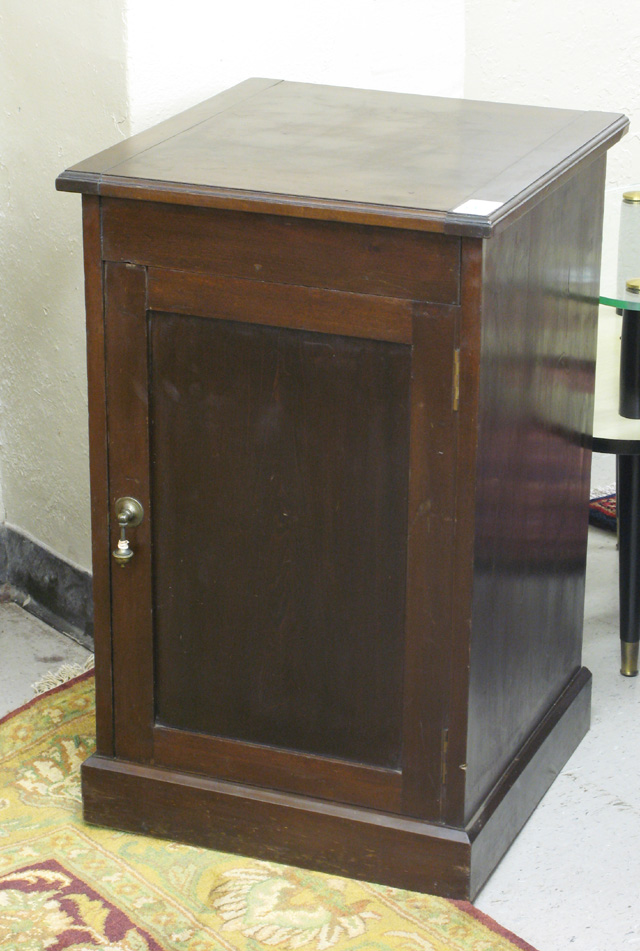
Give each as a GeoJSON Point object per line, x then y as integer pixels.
{"type": "Point", "coordinates": [94, 302]}
{"type": "Point", "coordinates": [539, 323]}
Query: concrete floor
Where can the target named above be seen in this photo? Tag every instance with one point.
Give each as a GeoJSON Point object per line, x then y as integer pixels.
{"type": "Point", "coordinates": [28, 650]}
{"type": "Point", "coordinates": [570, 880]}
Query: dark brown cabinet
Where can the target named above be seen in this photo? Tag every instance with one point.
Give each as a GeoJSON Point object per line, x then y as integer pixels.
{"type": "Point", "coordinates": [341, 351]}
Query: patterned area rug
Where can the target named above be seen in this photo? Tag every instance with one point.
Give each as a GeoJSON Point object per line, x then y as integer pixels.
{"type": "Point", "coordinates": [602, 512]}
{"type": "Point", "coordinates": [64, 884]}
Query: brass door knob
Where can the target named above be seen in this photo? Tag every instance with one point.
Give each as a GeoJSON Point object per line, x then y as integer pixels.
{"type": "Point", "coordinates": [129, 513]}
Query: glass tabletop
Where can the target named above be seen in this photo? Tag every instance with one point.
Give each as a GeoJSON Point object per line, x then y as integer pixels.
{"type": "Point", "coordinates": [620, 248]}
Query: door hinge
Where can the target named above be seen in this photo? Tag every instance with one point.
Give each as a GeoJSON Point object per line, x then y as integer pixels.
{"type": "Point", "coordinates": [445, 748]}
{"type": "Point", "coordinates": [456, 380]}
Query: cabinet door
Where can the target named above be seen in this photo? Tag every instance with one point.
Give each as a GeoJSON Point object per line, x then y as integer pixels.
{"type": "Point", "coordinates": [261, 631]}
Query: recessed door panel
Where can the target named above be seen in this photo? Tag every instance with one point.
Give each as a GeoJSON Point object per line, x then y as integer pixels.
{"type": "Point", "coordinates": [279, 463]}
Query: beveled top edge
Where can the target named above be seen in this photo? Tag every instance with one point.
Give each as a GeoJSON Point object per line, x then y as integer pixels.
{"type": "Point", "coordinates": [601, 139]}
{"type": "Point", "coordinates": [591, 132]}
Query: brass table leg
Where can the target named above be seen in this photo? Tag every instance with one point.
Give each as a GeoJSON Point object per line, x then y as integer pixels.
{"type": "Point", "coordinates": [629, 655]}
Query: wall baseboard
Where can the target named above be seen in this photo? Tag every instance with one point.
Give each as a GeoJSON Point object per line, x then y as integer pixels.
{"type": "Point", "coordinates": [46, 585]}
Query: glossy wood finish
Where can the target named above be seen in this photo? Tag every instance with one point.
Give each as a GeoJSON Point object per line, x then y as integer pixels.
{"type": "Point", "coordinates": [263, 765]}
{"type": "Point", "coordinates": [456, 689]}
{"type": "Point", "coordinates": [350, 633]}
{"type": "Point", "coordinates": [505, 810]}
{"type": "Point", "coordinates": [353, 155]}
{"type": "Point", "coordinates": [536, 395]}
{"type": "Point", "coordinates": [131, 622]}
{"type": "Point", "coordinates": [430, 579]}
{"type": "Point", "coordinates": [279, 458]}
{"type": "Point", "coordinates": [277, 827]}
{"type": "Point", "coordinates": [385, 262]}
{"type": "Point", "coordinates": [281, 305]}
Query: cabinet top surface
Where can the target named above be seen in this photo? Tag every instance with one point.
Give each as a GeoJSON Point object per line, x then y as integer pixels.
{"type": "Point", "coordinates": [440, 164]}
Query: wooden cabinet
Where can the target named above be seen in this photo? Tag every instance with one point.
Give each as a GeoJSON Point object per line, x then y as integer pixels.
{"type": "Point", "coordinates": [341, 350]}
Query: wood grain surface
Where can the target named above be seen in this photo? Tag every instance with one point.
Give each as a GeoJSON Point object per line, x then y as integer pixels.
{"type": "Point", "coordinates": [385, 262]}
{"type": "Point", "coordinates": [353, 154]}
{"type": "Point", "coordinates": [536, 395]}
{"type": "Point", "coordinates": [279, 460]}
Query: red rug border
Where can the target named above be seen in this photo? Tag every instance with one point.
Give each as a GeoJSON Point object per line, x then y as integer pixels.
{"type": "Point", "coordinates": [46, 693]}
{"type": "Point", "coordinates": [492, 925]}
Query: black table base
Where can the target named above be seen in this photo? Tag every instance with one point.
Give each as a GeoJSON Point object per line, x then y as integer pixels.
{"type": "Point", "coordinates": [628, 515]}
{"type": "Point", "coordinates": [630, 364]}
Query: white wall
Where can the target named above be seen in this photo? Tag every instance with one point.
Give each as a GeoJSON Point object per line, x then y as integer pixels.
{"type": "Point", "coordinates": [561, 53]}
{"type": "Point", "coordinates": [63, 88]}
{"type": "Point", "coordinates": [397, 45]}
{"type": "Point", "coordinates": [74, 80]}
